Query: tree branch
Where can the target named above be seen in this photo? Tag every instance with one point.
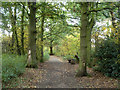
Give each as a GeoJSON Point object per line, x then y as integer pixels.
{"type": "Point", "coordinates": [96, 10]}
{"type": "Point", "coordinates": [24, 7]}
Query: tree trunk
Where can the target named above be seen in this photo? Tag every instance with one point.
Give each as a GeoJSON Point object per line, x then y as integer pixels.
{"type": "Point", "coordinates": [42, 33]}
{"type": "Point", "coordinates": [91, 24]}
{"type": "Point", "coordinates": [82, 71]}
{"type": "Point", "coordinates": [113, 19]}
{"type": "Point", "coordinates": [89, 46]}
{"type": "Point", "coordinates": [16, 36]}
{"type": "Point", "coordinates": [51, 48]}
{"type": "Point", "coordinates": [32, 62]}
{"type": "Point", "coordinates": [22, 32]}
{"type": "Point", "coordinates": [11, 17]}
{"type": "Point", "coordinates": [119, 39]}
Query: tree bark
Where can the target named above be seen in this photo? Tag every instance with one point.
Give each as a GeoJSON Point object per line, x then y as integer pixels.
{"type": "Point", "coordinates": [119, 39]}
{"type": "Point", "coordinates": [42, 33]}
{"type": "Point", "coordinates": [89, 46]}
{"type": "Point", "coordinates": [89, 30]}
{"type": "Point", "coordinates": [82, 71]}
{"type": "Point", "coordinates": [32, 62]}
{"type": "Point", "coordinates": [22, 31]}
{"type": "Point", "coordinates": [51, 48]}
{"type": "Point", "coordinates": [16, 36]}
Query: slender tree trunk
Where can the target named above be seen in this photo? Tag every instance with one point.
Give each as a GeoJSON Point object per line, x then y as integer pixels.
{"type": "Point", "coordinates": [16, 36]}
{"type": "Point", "coordinates": [42, 32]}
{"type": "Point", "coordinates": [22, 32]}
{"type": "Point", "coordinates": [51, 48]}
{"type": "Point", "coordinates": [15, 32]}
{"type": "Point", "coordinates": [32, 61]}
{"type": "Point", "coordinates": [113, 19]}
{"type": "Point", "coordinates": [119, 39]}
{"type": "Point", "coordinates": [12, 45]}
{"type": "Point", "coordinates": [13, 38]}
{"type": "Point", "coordinates": [82, 71]}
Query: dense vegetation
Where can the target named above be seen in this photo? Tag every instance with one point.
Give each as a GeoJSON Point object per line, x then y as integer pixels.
{"type": "Point", "coordinates": [12, 66]}
{"type": "Point", "coordinates": [107, 58]}
{"type": "Point", "coordinates": [31, 31]}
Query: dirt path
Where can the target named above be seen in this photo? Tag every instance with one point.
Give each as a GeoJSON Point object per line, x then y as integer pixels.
{"type": "Point", "coordinates": [57, 73]}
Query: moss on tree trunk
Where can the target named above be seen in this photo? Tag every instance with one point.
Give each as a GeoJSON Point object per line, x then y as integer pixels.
{"type": "Point", "coordinates": [82, 71]}
{"type": "Point", "coordinates": [32, 35]}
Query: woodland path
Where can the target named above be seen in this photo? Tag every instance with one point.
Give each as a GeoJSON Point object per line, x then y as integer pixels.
{"type": "Point", "coordinates": [56, 73]}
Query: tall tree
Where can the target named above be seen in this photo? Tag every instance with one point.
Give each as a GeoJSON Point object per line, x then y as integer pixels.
{"type": "Point", "coordinates": [89, 30]}
{"type": "Point", "coordinates": [42, 30]}
{"type": "Point", "coordinates": [82, 71]}
{"type": "Point", "coordinates": [13, 24]}
{"type": "Point", "coordinates": [32, 62]}
{"type": "Point", "coordinates": [22, 31]}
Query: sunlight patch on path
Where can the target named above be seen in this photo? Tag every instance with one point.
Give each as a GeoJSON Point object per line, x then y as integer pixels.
{"type": "Point", "coordinates": [54, 59]}
{"type": "Point", "coordinates": [60, 60]}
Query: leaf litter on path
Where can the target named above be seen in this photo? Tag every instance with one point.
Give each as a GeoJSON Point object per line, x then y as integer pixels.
{"type": "Point", "coordinates": [57, 74]}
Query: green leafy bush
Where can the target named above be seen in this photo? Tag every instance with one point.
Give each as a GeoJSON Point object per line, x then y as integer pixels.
{"type": "Point", "coordinates": [12, 66]}
{"type": "Point", "coordinates": [107, 59]}
{"type": "Point", "coordinates": [68, 57]}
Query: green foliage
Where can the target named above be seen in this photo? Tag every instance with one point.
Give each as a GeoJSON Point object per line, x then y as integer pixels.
{"type": "Point", "coordinates": [46, 56]}
{"type": "Point", "coordinates": [69, 46]}
{"type": "Point", "coordinates": [68, 57]}
{"type": "Point", "coordinates": [12, 66]}
{"type": "Point", "coordinates": [107, 58]}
